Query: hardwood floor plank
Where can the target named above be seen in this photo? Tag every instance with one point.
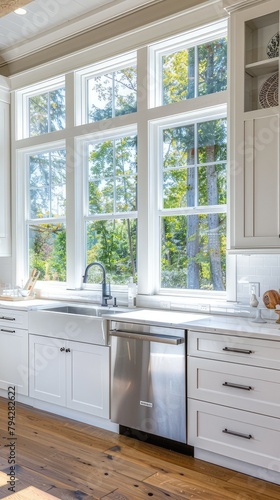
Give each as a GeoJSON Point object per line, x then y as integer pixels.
{"type": "Point", "coordinates": [70, 460]}
{"type": "Point", "coordinates": [31, 493]}
{"type": "Point", "coordinates": [154, 456]}
{"type": "Point", "coordinates": [252, 483]}
{"type": "Point", "coordinates": [203, 487]}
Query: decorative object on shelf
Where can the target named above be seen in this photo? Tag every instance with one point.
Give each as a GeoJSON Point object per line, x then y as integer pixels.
{"type": "Point", "coordinates": [272, 48]}
{"type": "Point", "coordinates": [268, 94]}
{"type": "Point", "coordinates": [271, 298]}
{"type": "Point", "coordinates": [254, 301]}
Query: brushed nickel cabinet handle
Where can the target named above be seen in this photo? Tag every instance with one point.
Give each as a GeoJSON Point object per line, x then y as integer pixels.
{"type": "Point", "coordinates": [7, 331]}
{"type": "Point", "coordinates": [238, 434]}
{"type": "Point", "coordinates": [7, 318]}
{"type": "Point", "coordinates": [238, 386]}
{"type": "Point", "coordinates": [235, 349]}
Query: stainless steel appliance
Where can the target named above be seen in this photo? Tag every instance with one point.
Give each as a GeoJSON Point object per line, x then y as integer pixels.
{"type": "Point", "coordinates": [148, 379]}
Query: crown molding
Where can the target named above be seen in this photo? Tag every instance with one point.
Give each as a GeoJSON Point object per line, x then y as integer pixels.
{"type": "Point", "coordinates": [91, 31]}
{"type": "Point", "coordinates": [233, 5]}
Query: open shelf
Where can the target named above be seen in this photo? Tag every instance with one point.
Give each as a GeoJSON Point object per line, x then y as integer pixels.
{"type": "Point", "coordinates": [262, 68]}
{"type": "Point", "coordinates": [261, 57]}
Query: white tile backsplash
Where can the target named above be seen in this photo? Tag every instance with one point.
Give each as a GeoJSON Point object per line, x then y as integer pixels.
{"type": "Point", "coordinates": [263, 269]}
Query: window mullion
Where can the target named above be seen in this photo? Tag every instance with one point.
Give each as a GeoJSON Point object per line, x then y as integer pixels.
{"type": "Point", "coordinates": [50, 184]}
{"type": "Point", "coordinates": [114, 179]}
{"type": "Point", "coordinates": [196, 164]}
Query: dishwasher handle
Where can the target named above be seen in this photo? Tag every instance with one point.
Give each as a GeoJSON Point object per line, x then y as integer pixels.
{"type": "Point", "coordinates": [163, 339]}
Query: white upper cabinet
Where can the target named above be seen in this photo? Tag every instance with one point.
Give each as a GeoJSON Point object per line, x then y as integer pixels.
{"type": "Point", "coordinates": [5, 230]}
{"type": "Point", "coordinates": [254, 126]}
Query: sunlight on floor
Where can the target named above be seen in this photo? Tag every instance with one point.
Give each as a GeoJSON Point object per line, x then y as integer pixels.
{"type": "Point", "coordinates": [30, 493]}
{"type": "Point", "coordinates": [3, 478]}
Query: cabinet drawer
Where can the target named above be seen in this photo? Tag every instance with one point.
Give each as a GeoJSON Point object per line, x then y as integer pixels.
{"type": "Point", "coordinates": [13, 318]}
{"type": "Point", "coordinates": [235, 349]}
{"type": "Point", "coordinates": [14, 359]}
{"type": "Point", "coordinates": [234, 433]}
{"type": "Point", "coordinates": [229, 384]}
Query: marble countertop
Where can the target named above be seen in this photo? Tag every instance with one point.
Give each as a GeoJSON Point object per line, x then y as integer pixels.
{"type": "Point", "coordinates": [28, 304]}
{"type": "Point", "coordinates": [201, 322]}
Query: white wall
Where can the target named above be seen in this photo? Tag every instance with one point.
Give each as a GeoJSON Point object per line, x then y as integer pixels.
{"type": "Point", "coordinates": [6, 271]}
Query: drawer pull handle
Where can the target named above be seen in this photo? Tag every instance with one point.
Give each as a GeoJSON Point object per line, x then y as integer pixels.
{"type": "Point", "coordinates": [7, 318]}
{"type": "Point", "coordinates": [234, 349]}
{"type": "Point", "coordinates": [238, 386]}
{"type": "Point", "coordinates": [7, 331]}
{"type": "Point", "coordinates": [238, 434]}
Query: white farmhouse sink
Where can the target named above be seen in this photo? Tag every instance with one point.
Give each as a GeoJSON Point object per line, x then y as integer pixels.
{"type": "Point", "coordinates": [97, 311]}
{"type": "Point", "coordinates": [72, 322]}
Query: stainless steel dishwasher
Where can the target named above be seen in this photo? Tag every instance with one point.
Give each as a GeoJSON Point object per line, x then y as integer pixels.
{"type": "Point", "coordinates": [148, 379]}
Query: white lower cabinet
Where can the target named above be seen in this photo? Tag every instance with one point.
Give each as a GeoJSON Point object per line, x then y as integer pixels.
{"type": "Point", "coordinates": [13, 350]}
{"type": "Point", "coordinates": [245, 436]}
{"type": "Point", "coordinates": [14, 359]}
{"type": "Point", "coordinates": [234, 397]}
{"type": "Point", "coordinates": [70, 374]}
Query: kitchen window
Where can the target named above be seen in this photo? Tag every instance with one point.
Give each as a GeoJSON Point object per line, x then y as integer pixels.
{"type": "Point", "coordinates": [143, 165]}
{"type": "Point", "coordinates": [43, 109]}
{"type": "Point", "coordinates": [45, 224]}
{"type": "Point", "coordinates": [192, 201]}
{"type": "Point", "coordinates": [111, 208]}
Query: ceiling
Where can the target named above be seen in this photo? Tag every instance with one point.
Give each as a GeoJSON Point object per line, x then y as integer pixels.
{"type": "Point", "coordinates": [45, 15]}
{"type": "Point", "coordinates": [51, 28]}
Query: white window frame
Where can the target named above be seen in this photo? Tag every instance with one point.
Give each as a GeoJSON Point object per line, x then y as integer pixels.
{"type": "Point", "coordinates": [98, 69]}
{"type": "Point", "coordinates": [23, 96]}
{"type": "Point", "coordinates": [86, 217]}
{"type": "Point", "coordinates": [23, 206]}
{"type": "Point", "coordinates": [149, 115]}
{"type": "Point", "coordinates": [192, 39]}
{"type": "Point", "coordinates": [157, 127]}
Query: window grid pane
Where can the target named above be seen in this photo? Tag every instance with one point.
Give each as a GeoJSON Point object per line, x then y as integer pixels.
{"type": "Point", "coordinates": [193, 247]}
{"type": "Point", "coordinates": [46, 112]}
{"type": "Point", "coordinates": [47, 250]}
{"type": "Point", "coordinates": [112, 173]}
{"type": "Point", "coordinates": [113, 242]}
{"type": "Point", "coordinates": [47, 184]}
{"type": "Point", "coordinates": [112, 94]}
{"type": "Point", "coordinates": [194, 71]}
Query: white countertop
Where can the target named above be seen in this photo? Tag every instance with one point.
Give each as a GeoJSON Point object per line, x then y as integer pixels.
{"type": "Point", "coordinates": [176, 319]}
{"type": "Point", "coordinates": [201, 322]}
{"type": "Point", "coordinates": [27, 305]}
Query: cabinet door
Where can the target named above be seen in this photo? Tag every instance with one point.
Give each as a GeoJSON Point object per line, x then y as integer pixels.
{"type": "Point", "coordinates": [14, 359]}
{"type": "Point", "coordinates": [88, 378]}
{"type": "Point", "coordinates": [257, 195]}
{"type": "Point", "coordinates": [47, 369]}
{"type": "Point", "coordinates": [254, 127]}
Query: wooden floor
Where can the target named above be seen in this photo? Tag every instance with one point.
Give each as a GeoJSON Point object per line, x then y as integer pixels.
{"type": "Point", "coordinates": [61, 458]}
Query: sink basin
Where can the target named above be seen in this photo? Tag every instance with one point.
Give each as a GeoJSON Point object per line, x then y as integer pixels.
{"type": "Point", "coordinates": [72, 322]}
{"type": "Point", "coordinates": [83, 310]}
